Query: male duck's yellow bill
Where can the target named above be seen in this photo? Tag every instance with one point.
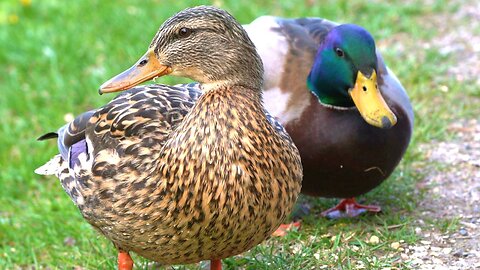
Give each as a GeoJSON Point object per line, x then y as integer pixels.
{"type": "Point", "coordinates": [370, 103]}
{"type": "Point", "coordinates": [146, 68]}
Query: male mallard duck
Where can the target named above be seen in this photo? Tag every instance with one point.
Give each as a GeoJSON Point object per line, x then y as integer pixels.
{"type": "Point", "coordinates": [175, 176]}
{"type": "Point", "coordinates": [321, 83]}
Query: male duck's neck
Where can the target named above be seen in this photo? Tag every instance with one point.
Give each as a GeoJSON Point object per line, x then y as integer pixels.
{"type": "Point", "coordinates": [329, 95]}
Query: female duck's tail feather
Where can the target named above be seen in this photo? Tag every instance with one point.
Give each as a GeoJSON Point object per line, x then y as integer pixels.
{"type": "Point", "coordinates": [51, 167]}
{"type": "Point", "coordinates": [50, 135]}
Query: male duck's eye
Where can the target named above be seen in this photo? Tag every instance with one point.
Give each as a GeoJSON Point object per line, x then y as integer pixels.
{"type": "Point", "coordinates": [184, 32]}
{"type": "Point", "coordinates": [339, 52]}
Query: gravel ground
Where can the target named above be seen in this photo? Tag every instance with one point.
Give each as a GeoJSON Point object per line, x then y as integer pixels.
{"type": "Point", "coordinates": [452, 192]}
{"type": "Point", "coordinates": [452, 179]}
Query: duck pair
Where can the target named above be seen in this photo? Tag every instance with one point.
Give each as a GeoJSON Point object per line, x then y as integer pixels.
{"type": "Point", "coordinates": [179, 174]}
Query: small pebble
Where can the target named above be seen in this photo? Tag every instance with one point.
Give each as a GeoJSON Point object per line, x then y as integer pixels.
{"type": "Point", "coordinates": [460, 253]}
{"type": "Point", "coordinates": [447, 250]}
{"type": "Point", "coordinates": [463, 232]}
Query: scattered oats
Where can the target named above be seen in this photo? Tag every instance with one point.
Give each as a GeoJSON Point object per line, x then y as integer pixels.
{"type": "Point", "coordinates": [374, 240]}
{"type": "Point", "coordinates": [327, 235]}
{"type": "Point", "coordinates": [12, 249]}
{"type": "Point", "coordinates": [418, 230]}
{"type": "Point", "coordinates": [333, 238]}
{"type": "Point", "coordinates": [404, 256]}
{"type": "Point", "coordinates": [296, 249]}
{"type": "Point", "coordinates": [317, 256]}
{"type": "Point", "coordinates": [360, 265]}
{"type": "Point", "coordinates": [68, 117]}
{"type": "Point", "coordinates": [425, 242]}
{"type": "Point", "coordinates": [436, 249]}
{"type": "Point", "coordinates": [355, 248]}
{"type": "Point", "coordinates": [395, 245]}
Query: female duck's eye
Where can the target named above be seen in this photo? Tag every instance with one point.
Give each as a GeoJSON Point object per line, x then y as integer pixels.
{"type": "Point", "coordinates": [339, 52]}
{"type": "Point", "coordinates": [184, 32]}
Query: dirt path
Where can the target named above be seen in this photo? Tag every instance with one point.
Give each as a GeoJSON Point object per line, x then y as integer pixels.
{"type": "Point", "coordinates": [452, 179]}
{"type": "Point", "coordinates": [453, 194]}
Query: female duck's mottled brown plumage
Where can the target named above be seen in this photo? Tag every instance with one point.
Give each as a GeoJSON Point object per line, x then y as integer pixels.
{"type": "Point", "coordinates": [176, 176]}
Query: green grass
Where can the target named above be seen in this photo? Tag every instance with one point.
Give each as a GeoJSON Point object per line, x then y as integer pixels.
{"type": "Point", "coordinates": [53, 57]}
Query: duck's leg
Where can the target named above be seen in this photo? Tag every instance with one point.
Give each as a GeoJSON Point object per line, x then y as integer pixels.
{"type": "Point", "coordinates": [349, 208]}
{"type": "Point", "coordinates": [125, 262]}
{"type": "Point", "coordinates": [215, 264]}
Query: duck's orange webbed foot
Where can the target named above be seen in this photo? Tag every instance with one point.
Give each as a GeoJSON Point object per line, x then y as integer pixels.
{"type": "Point", "coordinates": [349, 208]}
{"type": "Point", "coordinates": [285, 228]}
{"type": "Point", "coordinates": [125, 262]}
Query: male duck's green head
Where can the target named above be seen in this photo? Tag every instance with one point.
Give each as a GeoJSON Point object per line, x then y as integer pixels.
{"type": "Point", "coordinates": [344, 74]}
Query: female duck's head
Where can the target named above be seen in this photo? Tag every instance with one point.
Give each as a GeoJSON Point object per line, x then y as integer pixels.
{"type": "Point", "coordinates": [203, 43]}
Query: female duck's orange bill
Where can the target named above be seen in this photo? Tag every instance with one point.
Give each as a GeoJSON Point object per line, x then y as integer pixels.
{"type": "Point", "coordinates": [146, 68]}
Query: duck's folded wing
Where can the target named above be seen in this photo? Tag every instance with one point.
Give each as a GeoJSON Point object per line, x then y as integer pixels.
{"type": "Point", "coordinates": [286, 45]}
{"type": "Point", "coordinates": [100, 143]}
{"type": "Point", "coordinates": [306, 32]}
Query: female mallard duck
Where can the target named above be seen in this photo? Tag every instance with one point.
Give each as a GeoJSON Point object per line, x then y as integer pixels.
{"type": "Point", "coordinates": [345, 110]}
{"type": "Point", "coordinates": [175, 176]}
